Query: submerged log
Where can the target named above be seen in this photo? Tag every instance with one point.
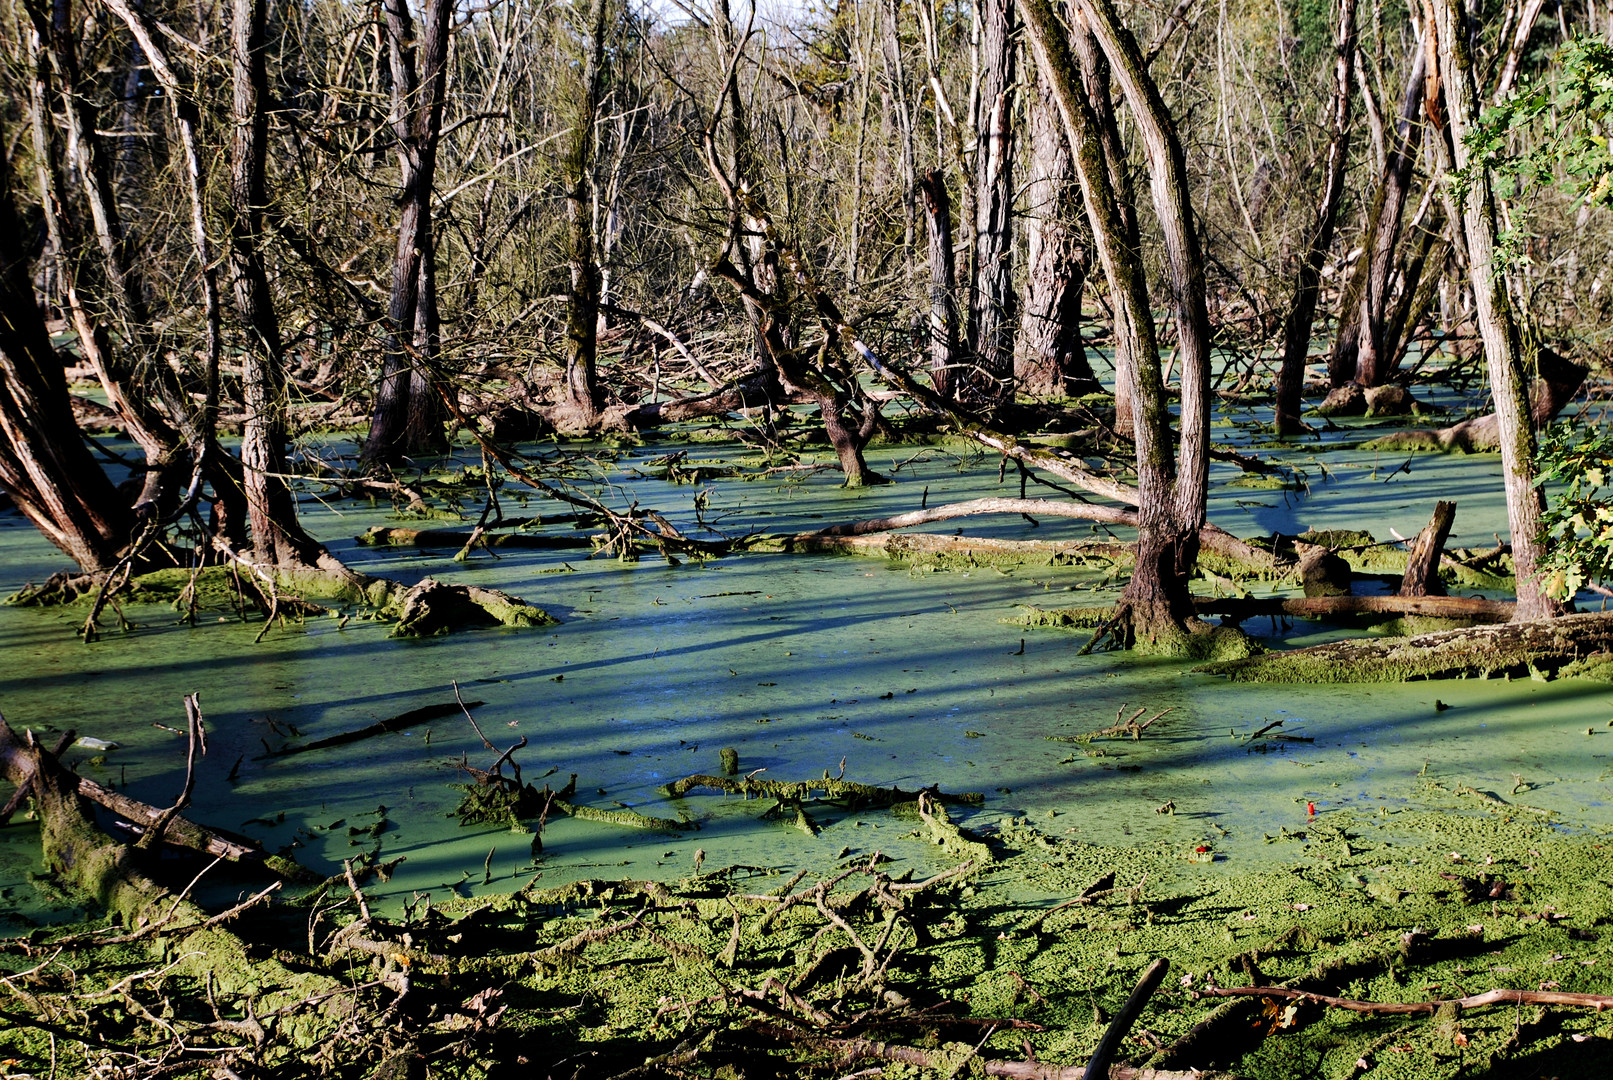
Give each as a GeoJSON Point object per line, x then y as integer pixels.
{"type": "Point", "coordinates": [381, 727]}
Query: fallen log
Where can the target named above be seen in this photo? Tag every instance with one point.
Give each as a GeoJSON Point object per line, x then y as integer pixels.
{"type": "Point", "coordinates": [1560, 379]}
{"type": "Point", "coordinates": [1211, 537]}
{"type": "Point", "coordinates": [1574, 645]}
{"type": "Point", "coordinates": [896, 545]}
{"type": "Point", "coordinates": [1313, 607]}
{"type": "Point", "coordinates": [381, 727]}
{"type": "Point", "coordinates": [856, 794]}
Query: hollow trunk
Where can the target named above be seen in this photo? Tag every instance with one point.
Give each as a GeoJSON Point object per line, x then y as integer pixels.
{"type": "Point", "coordinates": [1048, 356]}
{"type": "Point", "coordinates": [45, 465]}
{"type": "Point", "coordinates": [1302, 309]}
{"type": "Point", "coordinates": [943, 283]}
{"type": "Point", "coordinates": [407, 414]}
{"type": "Point", "coordinates": [989, 379]}
{"type": "Point", "coordinates": [1493, 313]}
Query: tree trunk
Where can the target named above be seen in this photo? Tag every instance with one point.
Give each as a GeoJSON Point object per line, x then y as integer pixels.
{"type": "Point", "coordinates": [1156, 601]}
{"type": "Point", "coordinates": [1175, 547]}
{"type": "Point", "coordinates": [407, 415]}
{"type": "Point", "coordinates": [1493, 314]}
{"type": "Point", "coordinates": [271, 509]}
{"type": "Point", "coordinates": [1302, 310]}
{"type": "Point", "coordinates": [44, 464]}
{"type": "Point", "coordinates": [1359, 351]}
{"type": "Point", "coordinates": [1049, 359]}
{"type": "Point", "coordinates": [992, 302]}
{"type": "Point", "coordinates": [1095, 81]}
{"type": "Point", "coordinates": [168, 435]}
{"type": "Point", "coordinates": [1422, 561]}
{"type": "Point", "coordinates": [581, 406]}
{"type": "Point", "coordinates": [943, 283]}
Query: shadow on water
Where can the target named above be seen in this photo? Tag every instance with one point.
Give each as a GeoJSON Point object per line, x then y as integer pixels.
{"type": "Point", "coordinates": [908, 673]}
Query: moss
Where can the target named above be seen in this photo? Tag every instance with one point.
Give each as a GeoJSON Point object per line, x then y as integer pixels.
{"type": "Point", "coordinates": [1263, 482]}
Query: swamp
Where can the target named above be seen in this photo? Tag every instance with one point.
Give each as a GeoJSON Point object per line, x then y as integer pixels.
{"type": "Point", "coordinates": [1040, 539]}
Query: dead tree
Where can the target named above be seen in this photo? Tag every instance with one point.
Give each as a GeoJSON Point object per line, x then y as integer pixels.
{"type": "Point", "coordinates": [407, 414]}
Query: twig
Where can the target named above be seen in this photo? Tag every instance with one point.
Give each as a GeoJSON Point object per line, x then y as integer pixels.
{"type": "Point", "coordinates": [1500, 996]}
{"type": "Point", "coordinates": [198, 741]}
{"type": "Point", "coordinates": [471, 718]}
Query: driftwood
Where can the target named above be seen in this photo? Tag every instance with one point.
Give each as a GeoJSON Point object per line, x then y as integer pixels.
{"type": "Point", "coordinates": [1418, 1008]}
{"type": "Point", "coordinates": [1422, 564]}
{"type": "Point", "coordinates": [396, 723]}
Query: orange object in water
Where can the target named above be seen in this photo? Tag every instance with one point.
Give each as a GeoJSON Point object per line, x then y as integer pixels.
{"type": "Point", "coordinates": [1310, 809]}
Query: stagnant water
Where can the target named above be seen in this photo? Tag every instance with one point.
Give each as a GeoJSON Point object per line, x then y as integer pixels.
{"type": "Point", "coordinates": [798, 662]}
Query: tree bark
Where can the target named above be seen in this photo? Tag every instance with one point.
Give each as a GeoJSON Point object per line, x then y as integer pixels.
{"type": "Point", "coordinates": [992, 300]}
{"type": "Point", "coordinates": [1048, 357]}
{"type": "Point", "coordinates": [1156, 601]}
{"type": "Point", "coordinates": [943, 283]}
{"type": "Point", "coordinates": [1302, 310]}
{"type": "Point", "coordinates": [44, 464]}
{"type": "Point", "coordinates": [1422, 562]}
{"type": "Point", "coordinates": [407, 415]}
{"type": "Point", "coordinates": [1170, 548]}
{"type": "Point", "coordinates": [271, 509]}
{"type": "Point", "coordinates": [167, 434]}
{"type": "Point", "coordinates": [1493, 313]}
